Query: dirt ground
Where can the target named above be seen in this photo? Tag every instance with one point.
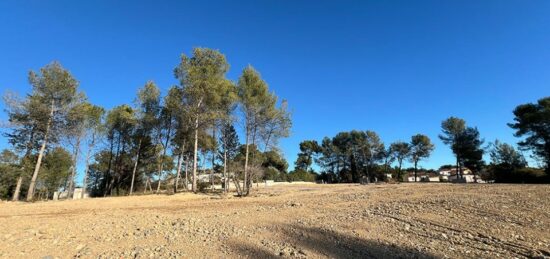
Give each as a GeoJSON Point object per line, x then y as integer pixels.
{"type": "Point", "coordinates": [307, 221]}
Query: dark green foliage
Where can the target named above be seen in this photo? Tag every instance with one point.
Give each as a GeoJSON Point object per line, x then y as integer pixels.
{"type": "Point", "coordinates": [503, 174]}
{"type": "Point", "coordinates": [111, 173]}
{"type": "Point", "coordinates": [509, 166]}
{"type": "Point", "coordinates": [387, 159]}
{"type": "Point", "coordinates": [360, 155]}
{"type": "Point", "coordinates": [229, 142]}
{"type": "Point", "coordinates": [401, 151]}
{"type": "Point", "coordinates": [270, 165]}
{"type": "Point", "coordinates": [25, 133]}
{"type": "Point", "coordinates": [275, 160]}
{"type": "Point", "coordinates": [55, 170]}
{"type": "Point", "coordinates": [271, 173]}
{"type": "Point", "coordinates": [255, 156]}
{"type": "Point", "coordinates": [275, 166]}
{"type": "Point", "coordinates": [468, 145]}
{"type": "Point", "coordinates": [308, 149]}
{"type": "Point", "coordinates": [506, 155]}
{"type": "Point", "coordinates": [120, 124]}
{"type": "Point", "coordinates": [301, 175]}
{"type": "Point", "coordinates": [347, 157]}
{"type": "Point", "coordinates": [203, 186]}
{"type": "Point", "coordinates": [532, 121]}
{"type": "Point", "coordinates": [53, 176]}
{"type": "Point", "coordinates": [451, 128]}
{"type": "Point", "coordinates": [526, 175]}
{"type": "Point", "coordinates": [465, 143]}
{"type": "Point", "coordinates": [41, 119]}
{"type": "Point", "coordinates": [421, 147]}
{"type": "Point", "coordinates": [9, 171]}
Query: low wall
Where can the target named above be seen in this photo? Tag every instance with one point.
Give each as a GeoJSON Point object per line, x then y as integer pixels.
{"type": "Point", "coordinates": [268, 183]}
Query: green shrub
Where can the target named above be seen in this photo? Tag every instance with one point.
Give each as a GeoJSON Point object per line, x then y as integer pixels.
{"type": "Point", "coordinates": [301, 175]}
{"type": "Point", "coordinates": [519, 175]}
{"type": "Point", "coordinates": [203, 186]}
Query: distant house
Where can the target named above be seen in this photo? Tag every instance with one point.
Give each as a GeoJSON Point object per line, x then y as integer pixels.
{"type": "Point", "coordinates": [77, 194]}
{"type": "Point", "coordinates": [450, 174]}
{"type": "Point", "coordinates": [422, 176]}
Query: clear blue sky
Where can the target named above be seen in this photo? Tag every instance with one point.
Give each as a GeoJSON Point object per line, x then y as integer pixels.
{"type": "Point", "coordinates": [395, 67]}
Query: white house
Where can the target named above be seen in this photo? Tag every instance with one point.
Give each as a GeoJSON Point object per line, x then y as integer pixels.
{"type": "Point", "coordinates": [450, 174]}
{"type": "Point", "coordinates": [422, 176]}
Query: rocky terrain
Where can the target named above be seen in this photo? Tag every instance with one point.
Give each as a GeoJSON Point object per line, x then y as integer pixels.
{"type": "Point", "coordinates": [304, 221]}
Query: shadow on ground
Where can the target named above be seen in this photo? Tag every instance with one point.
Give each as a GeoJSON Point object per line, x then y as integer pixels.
{"type": "Point", "coordinates": [314, 242]}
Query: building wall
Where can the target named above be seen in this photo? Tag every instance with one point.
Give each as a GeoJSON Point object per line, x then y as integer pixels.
{"type": "Point", "coordinates": [434, 179]}
{"type": "Point", "coordinates": [419, 179]}
{"type": "Point", "coordinates": [468, 177]}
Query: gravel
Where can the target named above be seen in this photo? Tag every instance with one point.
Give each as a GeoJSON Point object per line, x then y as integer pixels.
{"type": "Point", "coordinates": [423, 220]}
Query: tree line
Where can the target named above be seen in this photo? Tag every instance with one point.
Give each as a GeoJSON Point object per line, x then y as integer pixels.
{"type": "Point", "coordinates": [357, 156]}
{"type": "Point", "coordinates": [163, 143]}
{"type": "Point", "coordinates": [158, 143]}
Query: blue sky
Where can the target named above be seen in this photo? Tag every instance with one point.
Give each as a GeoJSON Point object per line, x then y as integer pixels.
{"type": "Point", "coordinates": [395, 67]}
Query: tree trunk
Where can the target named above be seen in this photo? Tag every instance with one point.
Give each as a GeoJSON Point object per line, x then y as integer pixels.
{"type": "Point", "coordinates": [88, 154]}
{"type": "Point", "coordinates": [160, 173]}
{"type": "Point", "coordinates": [195, 150]}
{"type": "Point", "coordinates": [70, 192]}
{"type": "Point", "coordinates": [30, 192]}
{"type": "Point", "coordinates": [109, 184]}
{"type": "Point", "coordinates": [120, 168]}
{"type": "Point", "coordinates": [238, 186]}
{"type": "Point", "coordinates": [225, 182]}
{"type": "Point", "coordinates": [160, 176]}
{"type": "Point", "coordinates": [110, 164]}
{"type": "Point", "coordinates": [249, 182]}
{"type": "Point", "coordinates": [415, 163]}
{"type": "Point", "coordinates": [213, 157]}
{"type": "Point", "coordinates": [245, 185]}
{"type": "Point", "coordinates": [401, 173]}
{"type": "Point", "coordinates": [164, 149]}
{"type": "Point", "coordinates": [368, 173]}
{"type": "Point", "coordinates": [17, 192]}
{"type": "Point", "coordinates": [117, 188]}
{"type": "Point", "coordinates": [135, 168]}
{"type": "Point", "coordinates": [186, 173]}
{"type": "Point", "coordinates": [457, 168]}
{"type": "Point", "coordinates": [17, 188]}
{"type": "Point", "coordinates": [145, 189]}
{"type": "Point", "coordinates": [178, 172]}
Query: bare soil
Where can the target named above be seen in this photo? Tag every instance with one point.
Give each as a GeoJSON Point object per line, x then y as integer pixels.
{"type": "Point", "coordinates": [307, 221]}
